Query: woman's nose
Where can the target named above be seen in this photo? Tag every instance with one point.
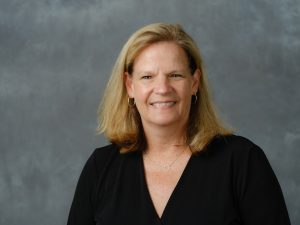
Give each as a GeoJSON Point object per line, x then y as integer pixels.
{"type": "Point", "coordinates": [162, 85]}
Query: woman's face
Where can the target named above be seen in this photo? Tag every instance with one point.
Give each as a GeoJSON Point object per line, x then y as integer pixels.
{"type": "Point", "coordinates": [162, 85]}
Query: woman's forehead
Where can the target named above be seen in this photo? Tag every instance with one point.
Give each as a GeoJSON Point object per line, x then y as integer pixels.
{"type": "Point", "coordinates": [166, 55]}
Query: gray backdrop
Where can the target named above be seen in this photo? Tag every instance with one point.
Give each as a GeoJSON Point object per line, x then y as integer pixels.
{"type": "Point", "coordinates": [56, 56]}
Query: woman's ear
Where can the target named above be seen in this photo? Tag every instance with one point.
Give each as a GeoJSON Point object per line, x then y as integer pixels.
{"type": "Point", "coordinates": [196, 80]}
{"type": "Point", "coordinates": [128, 84]}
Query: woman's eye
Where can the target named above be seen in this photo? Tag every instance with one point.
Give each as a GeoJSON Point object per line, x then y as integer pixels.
{"type": "Point", "coordinates": [176, 75]}
{"type": "Point", "coordinates": [147, 77]}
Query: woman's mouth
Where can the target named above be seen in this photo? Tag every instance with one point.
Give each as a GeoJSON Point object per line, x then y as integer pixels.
{"type": "Point", "coordinates": [163, 104]}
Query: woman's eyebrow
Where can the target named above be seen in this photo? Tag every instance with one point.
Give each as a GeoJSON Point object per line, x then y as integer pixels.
{"type": "Point", "coordinates": [143, 72]}
{"type": "Point", "coordinates": [146, 72]}
{"type": "Point", "coordinates": [176, 71]}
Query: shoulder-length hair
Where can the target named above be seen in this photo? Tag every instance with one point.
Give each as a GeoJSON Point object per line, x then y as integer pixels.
{"type": "Point", "coordinates": [120, 121]}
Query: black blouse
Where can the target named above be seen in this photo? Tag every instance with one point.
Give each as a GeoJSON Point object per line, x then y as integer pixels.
{"type": "Point", "coordinates": [231, 182]}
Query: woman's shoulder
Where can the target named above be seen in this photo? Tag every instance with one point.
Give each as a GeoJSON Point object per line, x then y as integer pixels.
{"type": "Point", "coordinates": [234, 141]}
{"type": "Point", "coordinates": [106, 151]}
{"type": "Point", "coordinates": [234, 145]}
{"type": "Point", "coordinates": [110, 156]}
{"type": "Point", "coordinates": [105, 154]}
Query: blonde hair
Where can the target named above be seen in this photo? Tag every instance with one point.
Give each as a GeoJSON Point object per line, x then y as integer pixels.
{"type": "Point", "coordinates": [120, 121]}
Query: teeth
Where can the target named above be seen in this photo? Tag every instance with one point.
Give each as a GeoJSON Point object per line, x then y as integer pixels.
{"type": "Point", "coordinates": [162, 104]}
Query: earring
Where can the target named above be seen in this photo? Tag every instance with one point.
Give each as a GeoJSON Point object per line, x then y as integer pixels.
{"type": "Point", "coordinates": [194, 98]}
{"type": "Point", "coordinates": [131, 101]}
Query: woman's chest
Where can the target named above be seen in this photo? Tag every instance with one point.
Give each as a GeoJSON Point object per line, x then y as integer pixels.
{"type": "Point", "coordinates": [195, 199]}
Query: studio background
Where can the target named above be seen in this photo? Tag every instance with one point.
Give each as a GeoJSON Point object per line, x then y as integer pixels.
{"type": "Point", "coordinates": [55, 59]}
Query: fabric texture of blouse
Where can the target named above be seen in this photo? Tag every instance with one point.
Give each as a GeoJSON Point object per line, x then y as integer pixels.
{"type": "Point", "coordinates": [231, 182]}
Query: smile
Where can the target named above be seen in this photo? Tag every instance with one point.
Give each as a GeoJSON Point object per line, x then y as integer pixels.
{"type": "Point", "coordinates": [163, 104]}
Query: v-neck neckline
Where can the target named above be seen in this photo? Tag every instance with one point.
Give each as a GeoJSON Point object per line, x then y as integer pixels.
{"type": "Point", "coordinates": [173, 194]}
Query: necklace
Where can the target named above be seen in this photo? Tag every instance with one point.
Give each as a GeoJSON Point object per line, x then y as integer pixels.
{"type": "Point", "coordinates": [168, 166]}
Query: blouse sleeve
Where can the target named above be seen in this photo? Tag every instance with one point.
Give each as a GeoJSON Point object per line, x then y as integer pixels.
{"type": "Point", "coordinates": [259, 194]}
{"type": "Point", "coordinates": [81, 212]}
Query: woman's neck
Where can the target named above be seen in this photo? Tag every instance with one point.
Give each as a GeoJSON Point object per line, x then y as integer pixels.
{"type": "Point", "coordinates": [165, 140]}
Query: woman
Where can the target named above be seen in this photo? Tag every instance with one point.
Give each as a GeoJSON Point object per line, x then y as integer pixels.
{"type": "Point", "coordinates": [171, 161]}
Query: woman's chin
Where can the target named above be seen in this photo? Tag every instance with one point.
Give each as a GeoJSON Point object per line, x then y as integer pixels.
{"type": "Point", "coordinates": [163, 122]}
